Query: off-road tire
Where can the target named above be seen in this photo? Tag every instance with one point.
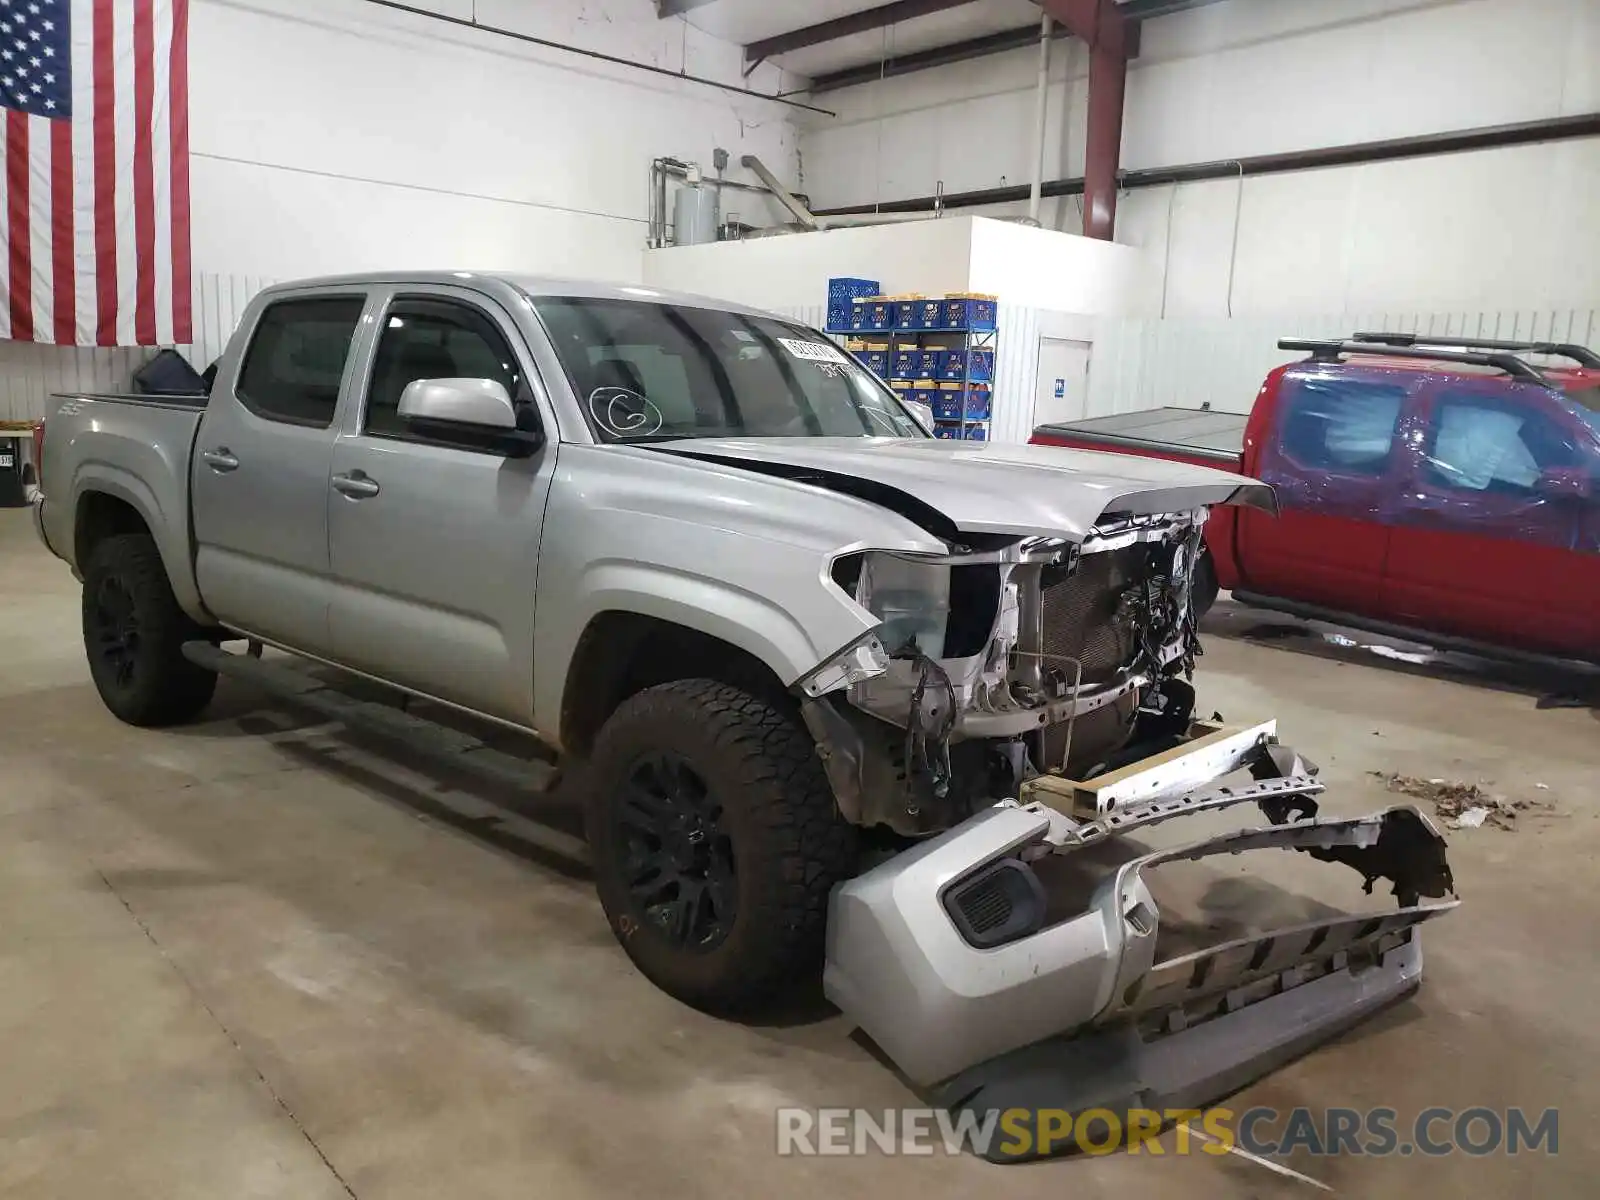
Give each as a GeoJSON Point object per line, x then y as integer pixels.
{"type": "Point", "coordinates": [155, 685]}
{"type": "Point", "coordinates": [789, 843]}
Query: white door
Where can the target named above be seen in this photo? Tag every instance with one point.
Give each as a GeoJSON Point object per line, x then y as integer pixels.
{"type": "Point", "coordinates": [1063, 388]}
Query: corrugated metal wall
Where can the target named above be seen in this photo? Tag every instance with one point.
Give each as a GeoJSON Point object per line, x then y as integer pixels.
{"type": "Point", "coordinates": [31, 373]}
{"type": "Point", "coordinates": [1140, 364]}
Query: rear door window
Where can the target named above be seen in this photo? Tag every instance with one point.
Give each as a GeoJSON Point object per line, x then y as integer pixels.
{"type": "Point", "coordinates": [295, 363]}
{"type": "Point", "coordinates": [1346, 426]}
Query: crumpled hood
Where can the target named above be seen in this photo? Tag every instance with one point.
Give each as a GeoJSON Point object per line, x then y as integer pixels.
{"type": "Point", "coordinates": [987, 488]}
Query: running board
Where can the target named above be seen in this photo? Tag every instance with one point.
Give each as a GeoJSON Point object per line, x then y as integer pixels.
{"type": "Point", "coordinates": [437, 742]}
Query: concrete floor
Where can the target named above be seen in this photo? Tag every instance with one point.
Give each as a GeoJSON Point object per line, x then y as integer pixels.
{"type": "Point", "coordinates": [251, 958]}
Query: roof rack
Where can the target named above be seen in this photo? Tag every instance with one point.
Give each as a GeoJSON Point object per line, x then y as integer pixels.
{"type": "Point", "coordinates": [1325, 351]}
{"type": "Point", "coordinates": [1581, 355]}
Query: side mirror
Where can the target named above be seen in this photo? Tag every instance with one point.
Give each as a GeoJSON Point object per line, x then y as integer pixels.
{"type": "Point", "coordinates": [1566, 483]}
{"type": "Point", "coordinates": [478, 403]}
{"type": "Point", "coordinates": [922, 412]}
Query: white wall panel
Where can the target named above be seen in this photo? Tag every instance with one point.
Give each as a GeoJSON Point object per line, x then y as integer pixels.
{"type": "Point", "coordinates": [1480, 231]}
{"type": "Point", "coordinates": [1140, 364]}
{"type": "Point", "coordinates": [333, 135]}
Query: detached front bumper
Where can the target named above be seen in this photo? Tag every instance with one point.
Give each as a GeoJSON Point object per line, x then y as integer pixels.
{"type": "Point", "coordinates": [950, 957]}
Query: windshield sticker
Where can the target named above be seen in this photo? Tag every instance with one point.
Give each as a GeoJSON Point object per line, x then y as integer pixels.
{"type": "Point", "coordinates": [623, 413]}
{"type": "Point", "coordinates": [821, 352]}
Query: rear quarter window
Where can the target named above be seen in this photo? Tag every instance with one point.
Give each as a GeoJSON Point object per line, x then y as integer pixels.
{"type": "Point", "coordinates": [1344, 426]}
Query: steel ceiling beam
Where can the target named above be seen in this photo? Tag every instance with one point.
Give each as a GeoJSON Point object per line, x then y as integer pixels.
{"type": "Point", "coordinates": [1135, 11]}
{"type": "Point", "coordinates": [841, 27]}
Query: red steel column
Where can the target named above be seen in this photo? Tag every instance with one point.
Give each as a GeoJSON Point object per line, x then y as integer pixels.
{"type": "Point", "coordinates": [1112, 40]}
{"type": "Point", "coordinates": [1108, 78]}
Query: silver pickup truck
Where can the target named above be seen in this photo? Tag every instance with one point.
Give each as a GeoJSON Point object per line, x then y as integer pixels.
{"type": "Point", "coordinates": [830, 688]}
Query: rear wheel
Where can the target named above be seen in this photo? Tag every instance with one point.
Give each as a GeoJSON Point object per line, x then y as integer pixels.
{"type": "Point", "coordinates": [716, 841]}
{"type": "Point", "coordinates": [133, 634]}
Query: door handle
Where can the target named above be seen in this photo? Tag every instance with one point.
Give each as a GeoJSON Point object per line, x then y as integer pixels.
{"type": "Point", "coordinates": [220, 460]}
{"type": "Point", "coordinates": [357, 485]}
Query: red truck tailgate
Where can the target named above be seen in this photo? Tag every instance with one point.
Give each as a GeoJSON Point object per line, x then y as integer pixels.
{"type": "Point", "coordinates": [1199, 435]}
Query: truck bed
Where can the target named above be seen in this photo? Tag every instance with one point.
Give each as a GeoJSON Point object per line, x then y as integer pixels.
{"type": "Point", "coordinates": [132, 448]}
{"type": "Point", "coordinates": [1199, 435]}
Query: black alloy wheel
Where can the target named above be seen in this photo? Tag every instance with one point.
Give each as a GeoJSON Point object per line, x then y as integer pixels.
{"type": "Point", "coordinates": [114, 624]}
{"type": "Point", "coordinates": [678, 856]}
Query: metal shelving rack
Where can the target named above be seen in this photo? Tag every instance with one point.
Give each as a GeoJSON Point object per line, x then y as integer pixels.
{"type": "Point", "coordinates": [919, 327]}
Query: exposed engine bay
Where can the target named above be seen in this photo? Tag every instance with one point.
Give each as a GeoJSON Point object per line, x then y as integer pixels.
{"type": "Point", "coordinates": [1003, 660]}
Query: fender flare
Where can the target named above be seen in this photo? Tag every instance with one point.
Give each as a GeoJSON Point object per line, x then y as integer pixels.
{"type": "Point", "coordinates": [120, 484]}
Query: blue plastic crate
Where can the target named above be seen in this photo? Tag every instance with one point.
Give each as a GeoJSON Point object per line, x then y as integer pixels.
{"type": "Point", "coordinates": [977, 433]}
{"type": "Point", "coordinates": [953, 405]}
{"type": "Point", "coordinates": [904, 362]}
{"type": "Point", "coordinates": [907, 313]}
{"type": "Point", "coordinates": [839, 313]}
{"type": "Point", "coordinates": [930, 364]}
{"type": "Point", "coordinates": [845, 287]}
{"type": "Point", "coordinates": [968, 312]}
{"type": "Point", "coordinates": [974, 365]}
{"type": "Point", "coordinates": [950, 433]}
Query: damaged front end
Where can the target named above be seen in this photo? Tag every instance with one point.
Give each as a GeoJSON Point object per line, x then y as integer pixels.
{"type": "Point", "coordinates": [997, 662]}
{"type": "Point", "coordinates": [991, 995]}
{"type": "Point", "coordinates": [1026, 705]}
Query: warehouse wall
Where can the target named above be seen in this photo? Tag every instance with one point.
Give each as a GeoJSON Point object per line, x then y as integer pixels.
{"type": "Point", "coordinates": [956, 253]}
{"type": "Point", "coordinates": [333, 135]}
{"type": "Point", "coordinates": [1488, 230]}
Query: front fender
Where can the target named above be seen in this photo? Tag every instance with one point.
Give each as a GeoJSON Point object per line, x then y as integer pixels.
{"type": "Point", "coordinates": [754, 623]}
{"type": "Point", "coordinates": [739, 557]}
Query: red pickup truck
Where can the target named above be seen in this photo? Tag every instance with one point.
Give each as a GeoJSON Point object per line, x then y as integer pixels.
{"type": "Point", "coordinates": [1446, 491]}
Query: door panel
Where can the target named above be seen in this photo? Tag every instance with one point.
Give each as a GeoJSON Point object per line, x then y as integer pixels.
{"type": "Point", "coordinates": [435, 555]}
{"type": "Point", "coordinates": [1335, 457]}
{"type": "Point", "coordinates": [1479, 550]}
{"type": "Point", "coordinates": [260, 472]}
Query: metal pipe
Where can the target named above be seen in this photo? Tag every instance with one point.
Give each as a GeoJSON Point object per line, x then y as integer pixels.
{"type": "Point", "coordinates": [1039, 104]}
{"type": "Point", "coordinates": [680, 169]}
{"type": "Point", "coordinates": [651, 68]}
{"type": "Point", "coordinates": [1492, 137]}
{"type": "Point", "coordinates": [781, 193]}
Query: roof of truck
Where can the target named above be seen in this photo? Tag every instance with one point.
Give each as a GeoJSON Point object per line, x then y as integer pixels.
{"type": "Point", "coordinates": [531, 285]}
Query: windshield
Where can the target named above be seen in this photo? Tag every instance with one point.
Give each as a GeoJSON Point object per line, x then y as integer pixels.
{"type": "Point", "coordinates": [653, 371]}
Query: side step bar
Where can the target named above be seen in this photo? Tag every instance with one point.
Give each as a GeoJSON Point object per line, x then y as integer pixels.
{"type": "Point", "coordinates": [449, 747]}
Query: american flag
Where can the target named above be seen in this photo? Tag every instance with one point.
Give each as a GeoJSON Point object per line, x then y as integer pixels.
{"type": "Point", "coordinates": [94, 196]}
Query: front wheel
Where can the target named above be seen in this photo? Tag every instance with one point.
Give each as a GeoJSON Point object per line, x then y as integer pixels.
{"type": "Point", "coordinates": [133, 634]}
{"type": "Point", "coordinates": [716, 842]}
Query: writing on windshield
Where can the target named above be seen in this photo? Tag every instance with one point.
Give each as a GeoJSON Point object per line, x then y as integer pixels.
{"type": "Point", "coordinates": [646, 371]}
